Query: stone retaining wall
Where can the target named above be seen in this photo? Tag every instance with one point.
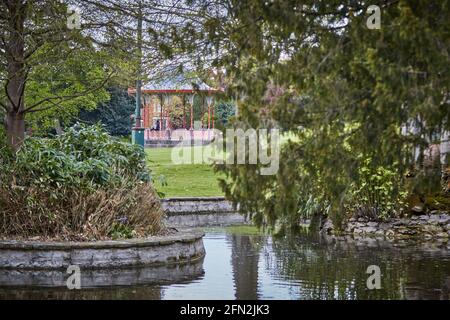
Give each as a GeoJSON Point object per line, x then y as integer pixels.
{"type": "Point", "coordinates": [185, 246]}
{"type": "Point", "coordinates": [434, 226]}
{"type": "Point", "coordinates": [201, 212]}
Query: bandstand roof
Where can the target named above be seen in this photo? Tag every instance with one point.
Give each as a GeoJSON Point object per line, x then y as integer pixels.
{"type": "Point", "coordinates": [178, 84]}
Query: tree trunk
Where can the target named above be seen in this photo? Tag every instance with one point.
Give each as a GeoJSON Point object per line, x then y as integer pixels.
{"type": "Point", "coordinates": [16, 73]}
{"type": "Point", "coordinates": [15, 129]}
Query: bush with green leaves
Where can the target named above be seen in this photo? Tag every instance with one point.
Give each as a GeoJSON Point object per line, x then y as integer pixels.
{"type": "Point", "coordinates": [378, 192]}
{"type": "Point", "coordinates": [81, 184]}
{"type": "Point", "coordinates": [84, 157]}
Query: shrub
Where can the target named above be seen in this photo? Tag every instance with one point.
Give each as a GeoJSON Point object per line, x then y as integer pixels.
{"type": "Point", "coordinates": [80, 185]}
{"type": "Point", "coordinates": [378, 194]}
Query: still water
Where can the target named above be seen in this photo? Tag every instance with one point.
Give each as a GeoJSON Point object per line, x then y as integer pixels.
{"type": "Point", "coordinates": [242, 263]}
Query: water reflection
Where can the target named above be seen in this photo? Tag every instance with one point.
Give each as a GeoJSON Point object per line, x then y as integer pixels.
{"type": "Point", "coordinates": [337, 270]}
{"type": "Point", "coordinates": [129, 283]}
{"type": "Point", "coordinates": [245, 252]}
{"type": "Point", "coordinates": [117, 293]}
{"type": "Point", "coordinates": [244, 264]}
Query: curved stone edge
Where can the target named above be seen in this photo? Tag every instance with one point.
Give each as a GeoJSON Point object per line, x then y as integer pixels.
{"type": "Point", "coordinates": [185, 246]}
{"type": "Point", "coordinates": [186, 235]}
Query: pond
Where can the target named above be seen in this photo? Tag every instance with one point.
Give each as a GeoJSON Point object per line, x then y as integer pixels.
{"type": "Point", "coordinates": [242, 263]}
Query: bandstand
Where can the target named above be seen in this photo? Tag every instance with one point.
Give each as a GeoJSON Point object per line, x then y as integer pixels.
{"type": "Point", "coordinates": [157, 106]}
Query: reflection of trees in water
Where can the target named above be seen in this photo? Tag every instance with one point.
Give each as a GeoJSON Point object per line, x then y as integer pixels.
{"type": "Point", "coordinates": [330, 271]}
{"type": "Point", "coordinates": [112, 284]}
{"type": "Point", "coordinates": [117, 293]}
{"type": "Point", "coordinates": [244, 259]}
{"type": "Point", "coordinates": [426, 277]}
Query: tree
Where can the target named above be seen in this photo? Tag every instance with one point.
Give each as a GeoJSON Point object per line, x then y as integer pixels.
{"type": "Point", "coordinates": [36, 41]}
{"type": "Point", "coordinates": [78, 73]}
{"type": "Point", "coordinates": [224, 112]}
{"type": "Point", "coordinates": [343, 93]}
{"type": "Point", "coordinates": [114, 114]}
{"type": "Point", "coordinates": [39, 35]}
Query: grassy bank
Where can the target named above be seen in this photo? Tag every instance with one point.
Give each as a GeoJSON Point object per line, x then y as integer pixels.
{"type": "Point", "coordinates": [181, 180]}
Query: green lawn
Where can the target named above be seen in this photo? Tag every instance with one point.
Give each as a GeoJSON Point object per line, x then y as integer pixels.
{"type": "Point", "coordinates": [187, 180]}
{"type": "Point", "coordinates": [183, 180]}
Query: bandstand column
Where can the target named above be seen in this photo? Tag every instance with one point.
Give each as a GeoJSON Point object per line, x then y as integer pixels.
{"type": "Point", "coordinates": [161, 115]}
{"type": "Point", "coordinates": [209, 102]}
{"type": "Point", "coordinates": [191, 102]}
{"type": "Point", "coordinates": [191, 129]}
{"type": "Point", "coordinates": [209, 117]}
{"type": "Point", "coordinates": [167, 103]}
{"type": "Point", "coordinates": [213, 117]}
{"type": "Point", "coordinates": [168, 119]}
{"type": "Point", "coordinates": [192, 117]}
{"type": "Point", "coordinates": [184, 112]}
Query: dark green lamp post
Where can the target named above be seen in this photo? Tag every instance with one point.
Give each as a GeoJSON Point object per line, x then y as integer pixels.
{"type": "Point", "coordinates": [137, 132]}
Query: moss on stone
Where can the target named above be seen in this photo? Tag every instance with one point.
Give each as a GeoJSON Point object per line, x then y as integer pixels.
{"type": "Point", "coordinates": [438, 202]}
